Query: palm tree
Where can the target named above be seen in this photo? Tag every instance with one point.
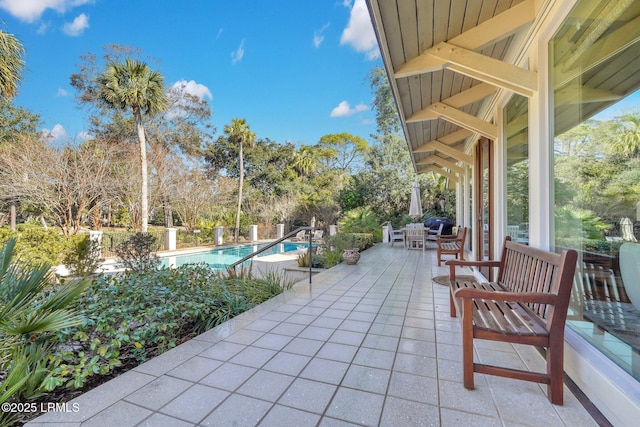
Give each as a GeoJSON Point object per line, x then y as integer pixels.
{"type": "Point", "coordinates": [240, 133]}
{"type": "Point", "coordinates": [625, 135]}
{"type": "Point", "coordinates": [134, 85]}
{"type": "Point", "coordinates": [30, 310]}
{"type": "Point", "coordinates": [305, 161]}
{"type": "Point", "coordinates": [11, 65]}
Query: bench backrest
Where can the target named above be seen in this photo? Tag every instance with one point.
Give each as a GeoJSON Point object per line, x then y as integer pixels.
{"type": "Point", "coordinates": [527, 269]}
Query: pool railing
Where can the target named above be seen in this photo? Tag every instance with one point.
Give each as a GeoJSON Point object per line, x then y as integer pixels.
{"type": "Point", "coordinates": [280, 240]}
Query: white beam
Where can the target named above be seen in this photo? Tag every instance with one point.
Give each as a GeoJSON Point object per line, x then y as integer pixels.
{"type": "Point", "coordinates": [438, 146]}
{"type": "Point", "coordinates": [497, 28]}
{"type": "Point", "coordinates": [462, 119]}
{"type": "Point", "coordinates": [441, 171]}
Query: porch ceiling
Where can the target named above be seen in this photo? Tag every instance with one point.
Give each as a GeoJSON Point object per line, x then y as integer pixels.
{"type": "Point", "coordinates": [445, 59]}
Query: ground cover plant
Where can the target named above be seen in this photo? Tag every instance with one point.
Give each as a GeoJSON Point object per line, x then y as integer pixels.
{"type": "Point", "coordinates": [107, 324]}
{"type": "Point", "coordinates": [137, 315]}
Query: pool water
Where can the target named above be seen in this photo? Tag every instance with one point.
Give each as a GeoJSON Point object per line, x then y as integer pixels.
{"type": "Point", "coordinates": [222, 258]}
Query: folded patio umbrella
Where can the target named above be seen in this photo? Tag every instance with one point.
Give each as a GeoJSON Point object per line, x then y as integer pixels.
{"type": "Point", "coordinates": [415, 208]}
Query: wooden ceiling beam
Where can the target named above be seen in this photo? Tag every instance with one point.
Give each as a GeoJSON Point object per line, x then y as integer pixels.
{"type": "Point", "coordinates": [497, 28]}
{"type": "Point", "coordinates": [440, 171]}
{"type": "Point", "coordinates": [441, 161]}
{"type": "Point", "coordinates": [484, 34]}
{"type": "Point", "coordinates": [476, 65]}
{"type": "Point", "coordinates": [457, 117]}
{"type": "Point", "coordinates": [473, 94]}
{"type": "Point", "coordinates": [438, 146]}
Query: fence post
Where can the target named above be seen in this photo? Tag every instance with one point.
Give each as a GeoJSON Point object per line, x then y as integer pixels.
{"type": "Point", "coordinates": [385, 234]}
{"type": "Point", "coordinates": [217, 236]}
{"type": "Point", "coordinates": [170, 239]}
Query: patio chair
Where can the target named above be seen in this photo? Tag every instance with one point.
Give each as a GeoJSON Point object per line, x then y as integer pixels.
{"type": "Point", "coordinates": [396, 235]}
{"type": "Point", "coordinates": [432, 235]}
{"type": "Point", "coordinates": [451, 244]}
{"type": "Point", "coordinates": [416, 236]}
{"type": "Point", "coordinates": [301, 236]}
{"type": "Point", "coordinates": [317, 235]}
{"type": "Point", "coordinates": [513, 231]}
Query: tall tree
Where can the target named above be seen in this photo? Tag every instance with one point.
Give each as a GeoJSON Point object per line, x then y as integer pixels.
{"type": "Point", "coordinates": [625, 135]}
{"type": "Point", "coordinates": [238, 132]}
{"type": "Point", "coordinates": [11, 65]}
{"type": "Point", "coordinates": [133, 85]}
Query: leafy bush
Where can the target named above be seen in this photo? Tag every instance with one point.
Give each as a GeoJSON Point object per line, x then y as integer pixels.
{"type": "Point", "coordinates": [359, 220]}
{"type": "Point", "coordinates": [136, 253]}
{"type": "Point", "coordinates": [36, 244]}
{"type": "Point", "coordinates": [84, 256]}
{"type": "Point", "coordinates": [334, 246]}
{"type": "Point", "coordinates": [137, 315]}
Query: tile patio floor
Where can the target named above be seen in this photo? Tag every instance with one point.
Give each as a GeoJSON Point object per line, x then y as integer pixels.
{"type": "Point", "coordinates": [370, 344]}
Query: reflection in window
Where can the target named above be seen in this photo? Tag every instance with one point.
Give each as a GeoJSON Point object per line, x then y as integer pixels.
{"type": "Point", "coordinates": [596, 128]}
{"type": "Point", "coordinates": [517, 136]}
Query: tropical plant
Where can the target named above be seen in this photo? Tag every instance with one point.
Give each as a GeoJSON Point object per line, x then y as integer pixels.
{"type": "Point", "coordinates": [11, 65]}
{"type": "Point", "coordinates": [133, 85]}
{"type": "Point", "coordinates": [30, 310]}
{"type": "Point", "coordinates": [359, 220]}
{"type": "Point", "coordinates": [239, 133]}
{"type": "Point", "coordinates": [624, 138]}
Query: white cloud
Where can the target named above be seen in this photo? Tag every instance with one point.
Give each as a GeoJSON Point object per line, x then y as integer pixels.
{"type": "Point", "coordinates": [62, 92]}
{"type": "Point", "coordinates": [42, 29]}
{"type": "Point", "coordinates": [177, 93]}
{"type": "Point", "coordinates": [56, 134]}
{"type": "Point", "coordinates": [238, 54]}
{"type": "Point", "coordinates": [359, 32]}
{"type": "Point", "coordinates": [32, 10]}
{"type": "Point", "coordinates": [220, 31]}
{"type": "Point", "coordinates": [192, 88]}
{"type": "Point", "coordinates": [76, 27]}
{"type": "Point", "coordinates": [83, 136]}
{"type": "Point", "coordinates": [318, 37]}
{"type": "Point", "coordinates": [344, 109]}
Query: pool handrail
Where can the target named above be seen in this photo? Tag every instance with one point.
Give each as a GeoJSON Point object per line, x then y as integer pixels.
{"type": "Point", "coordinates": [280, 240]}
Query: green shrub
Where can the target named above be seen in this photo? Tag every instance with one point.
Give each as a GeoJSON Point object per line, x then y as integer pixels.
{"type": "Point", "coordinates": [136, 253]}
{"type": "Point", "coordinates": [84, 256]}
{"type": "Point", "coordinates": [359, 220]}
{"type": "Point", "coordinates": [36, 244]}
{"type": "Point", "coordinates": [137, 315]}
{"type": "Point", "coordinates": [334, 246]}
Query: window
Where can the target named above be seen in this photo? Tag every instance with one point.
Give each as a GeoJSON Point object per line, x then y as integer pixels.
{"type": "Point", "coordinates": [596, 128]}
{"type": "Point", "coordinates": [516, 132]}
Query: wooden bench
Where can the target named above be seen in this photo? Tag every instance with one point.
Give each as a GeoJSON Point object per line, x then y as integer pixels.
{"type": "Point", "coordinates": [527, 304]}
{"type": "Point", "coordinates": [451, 245]}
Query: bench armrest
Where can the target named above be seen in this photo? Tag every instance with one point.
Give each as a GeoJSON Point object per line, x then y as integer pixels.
{"type": "Point", "coordinates": [448, 237]}
{"type": "Point", "coordinates": [521, 297]}
{"type": "Point", "coordinates": [462, 263]}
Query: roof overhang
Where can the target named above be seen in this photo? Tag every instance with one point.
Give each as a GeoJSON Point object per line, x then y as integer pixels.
{"type": "Point", "coordinates": [445, 61]}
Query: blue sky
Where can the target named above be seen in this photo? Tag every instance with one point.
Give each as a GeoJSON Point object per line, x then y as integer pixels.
{"type": "Point", "coordinates": [296, 70]}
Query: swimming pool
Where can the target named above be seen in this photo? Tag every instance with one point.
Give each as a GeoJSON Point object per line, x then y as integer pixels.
{"type": "Point", "coordinates": [223, 257]}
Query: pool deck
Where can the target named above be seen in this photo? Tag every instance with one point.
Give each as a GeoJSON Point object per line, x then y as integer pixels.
{"type": "Point", "coordinates": [368, 344]}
